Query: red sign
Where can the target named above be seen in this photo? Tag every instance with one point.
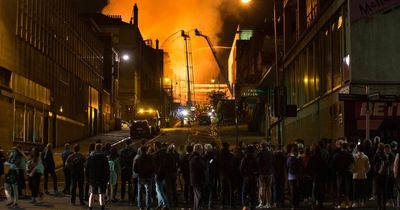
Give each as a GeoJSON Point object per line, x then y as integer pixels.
{"type": "Point", "coordinates": [378, 110]}
{"type": "Point", "coordinates": [363, 8]}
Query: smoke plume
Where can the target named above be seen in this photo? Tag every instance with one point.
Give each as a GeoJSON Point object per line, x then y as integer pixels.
{"type": "Point", "coordinates": [162, 19]}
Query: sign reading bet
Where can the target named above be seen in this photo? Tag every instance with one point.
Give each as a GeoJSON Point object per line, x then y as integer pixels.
{"type": "Point", "coordinates": [378, 110]}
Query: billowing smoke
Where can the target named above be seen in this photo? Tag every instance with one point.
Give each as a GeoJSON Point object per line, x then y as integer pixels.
{"type": "Point", "coordinates": [159, 19]}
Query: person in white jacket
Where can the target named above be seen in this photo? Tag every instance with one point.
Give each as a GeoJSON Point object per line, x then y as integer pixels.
{"type": "Point", "coordinates": [361, 166]}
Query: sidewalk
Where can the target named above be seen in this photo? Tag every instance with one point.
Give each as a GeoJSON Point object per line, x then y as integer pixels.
{"type": "Point", "coordinates": [113, 137]}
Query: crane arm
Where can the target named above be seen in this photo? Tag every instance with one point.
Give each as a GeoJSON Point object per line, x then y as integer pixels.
{"type": "Point", "coordinates": [220, 66]}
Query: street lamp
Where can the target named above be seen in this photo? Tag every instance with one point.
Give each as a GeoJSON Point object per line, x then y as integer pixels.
{"type": "Point", "coordinates": [166, 79]}
{"type": "Point", "coordinates": [213, 84]}
{"type": "Point", "coordinates": [277, 85]}
{"type": "Point", "coordinates": [125, 57]}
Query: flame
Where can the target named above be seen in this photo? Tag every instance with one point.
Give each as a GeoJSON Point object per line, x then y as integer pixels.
{"type": "Point", "coordinates": [162, 19]}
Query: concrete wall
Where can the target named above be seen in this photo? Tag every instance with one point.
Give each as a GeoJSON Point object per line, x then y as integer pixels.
{"type": "Point", "coordinates": [375, 48]}
{"type": "Point", "coordinates": [69, 132]}
{"type": "Point", "coordinates": [7, 33]}
{"type": "Point", "coordinates": [321, 119]}
{"type": "Point", "coordinates": [6, 113]}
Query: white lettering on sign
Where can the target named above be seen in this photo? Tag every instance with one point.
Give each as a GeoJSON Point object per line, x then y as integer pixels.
{"type": "Point", "coordinates": [379, 109]}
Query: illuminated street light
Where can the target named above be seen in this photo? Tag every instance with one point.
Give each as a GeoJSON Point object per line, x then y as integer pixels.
{"type": "Point", "coordinates": [213, 82]}
{"type": "Point", "coordinates": [245, 1]}
{"type": "Point", "coordinates": [125, 57]}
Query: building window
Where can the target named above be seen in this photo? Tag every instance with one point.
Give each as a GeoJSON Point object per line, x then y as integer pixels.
{"type": "Point", "coordinates": [29, 124]}
{"type": "Point", "coordinates": [318, 68]}
{"type": "Point", "coordinates": [38, 127]}
{"type": "Point", "coordinates": [19, 122]}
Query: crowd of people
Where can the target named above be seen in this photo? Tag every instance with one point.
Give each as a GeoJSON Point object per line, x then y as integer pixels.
{"type": "Point", "coordinates": [259, 175]}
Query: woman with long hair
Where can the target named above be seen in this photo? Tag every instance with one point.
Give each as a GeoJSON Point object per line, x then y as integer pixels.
{"type": "Point", "coordinates": [34, 170]}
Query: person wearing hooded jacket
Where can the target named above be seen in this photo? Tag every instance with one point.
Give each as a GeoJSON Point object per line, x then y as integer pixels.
{"type": "Point", "coordinates": [197, 167]}
{"type": "Point", "coordinates": [97, 163]}
{"type": "Point", "coordinates": [361, 167]}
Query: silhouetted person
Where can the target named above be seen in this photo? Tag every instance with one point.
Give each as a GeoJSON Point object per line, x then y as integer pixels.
{"type": "Point", "coordinates": [226, 165]}
{"type": "Point", "coordinates": [144, 167]}
{"type": "Point", "coordinates": [249, 172]}
{"type": "Point", "coordinates": [185, 171]}
{"type": "Point", "coordinates": [67, 177]}
{"type": "Point", "coordinates": [160, 161]}
{"type": "Point", "coordinates": [75, 166]}
{"type": "Point", "coordinates": [34, 171]}
{"type": "Point", "coordinates": [91, 150]}
{"type": "Point", "coordinates": [49, 168]}
{"type": "Point", "coordinates": [197, 168]}
{"type": "Point", "coordinates": [98, 175]}
{"type": "Point", "coordinates": [126, 156]}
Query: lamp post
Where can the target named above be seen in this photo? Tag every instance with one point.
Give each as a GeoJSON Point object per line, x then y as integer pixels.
{"type": "Point", "coordinates": [171, 98]}
{"type": "Point", "coordinates": [189, 96]}
{"type": "Point", "coordinates": [277, 83]}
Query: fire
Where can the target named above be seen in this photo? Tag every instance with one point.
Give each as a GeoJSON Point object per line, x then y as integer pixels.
{"type": "Point", "coordinates": [159, 19]}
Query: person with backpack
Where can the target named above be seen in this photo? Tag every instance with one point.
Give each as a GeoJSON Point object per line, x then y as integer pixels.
{"type": "Point", "coordinates": [295, 169]}
{"type": "Point", "coordinates": [75, 166]}
{"type": "Point", "coordinates": [381, 167]}
{"type": "Point", "coordinates": [114, 169]}
{"type": "Point", "coordinates": [49, 168]}
{"type": "Point", "coordinates": [144, 167]}
{"type": "Point", "coordinates": [67, 176]}
{"type": "Point", "coordinates": [97, 175]}
{"type": "Point", "coordinates": [126, 156]}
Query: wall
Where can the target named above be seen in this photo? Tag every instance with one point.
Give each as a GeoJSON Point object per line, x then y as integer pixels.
{"type": "Point", "coordinates": [322, 119]}
{"type": "Point", "coordinates": [375, 51]}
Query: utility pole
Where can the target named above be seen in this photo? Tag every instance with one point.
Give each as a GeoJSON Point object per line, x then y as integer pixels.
{"type": "Point", "coordinates": [367, 113]}
{"type": "Point", "coordinates": [280, 142]}
{"type": "Point", "coordinates": [189, 97]}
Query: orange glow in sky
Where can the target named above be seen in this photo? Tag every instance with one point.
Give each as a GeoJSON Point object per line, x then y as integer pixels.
{"type": "Point", "coordinates": [159, 19]}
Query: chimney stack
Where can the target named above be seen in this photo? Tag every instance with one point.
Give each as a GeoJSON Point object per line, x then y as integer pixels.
{"type": "Point", "coordinates": [157, 44]}
{"type": "Point", "coordinates": [135, 15]}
